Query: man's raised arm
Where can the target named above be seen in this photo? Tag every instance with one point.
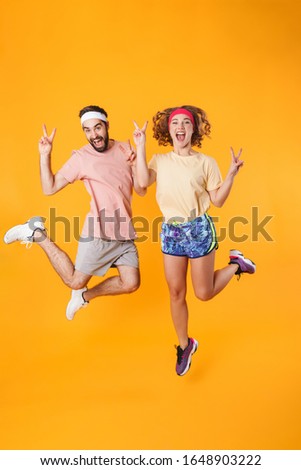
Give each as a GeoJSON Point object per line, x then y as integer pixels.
{"type": "Point", "coordinates": [51, 183]}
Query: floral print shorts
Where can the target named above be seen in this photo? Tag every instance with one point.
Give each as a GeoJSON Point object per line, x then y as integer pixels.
{"type": "Point", "coordinates": [193, 239]}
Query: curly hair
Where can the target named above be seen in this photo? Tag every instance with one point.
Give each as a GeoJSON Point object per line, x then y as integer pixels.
{"type": "Point", "coordinates": [202, 126]}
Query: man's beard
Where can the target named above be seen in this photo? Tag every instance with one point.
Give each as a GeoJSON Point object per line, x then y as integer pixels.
{"type": "Point", "coordinates": [104, 140]}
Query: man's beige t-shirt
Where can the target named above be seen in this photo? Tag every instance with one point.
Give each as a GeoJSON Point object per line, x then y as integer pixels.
{"type": "Point", "coordinates": [183, 183]}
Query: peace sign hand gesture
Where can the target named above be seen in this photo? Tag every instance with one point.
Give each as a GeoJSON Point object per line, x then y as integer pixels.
{"type": "Point", "coordinates": [129, 153]}
{"type": "Point", "coordinates": [45, 142]}
{"type": "Point", "coordinates": [235, 162]}
{"type": "Point", "coordinates": [139, 134]}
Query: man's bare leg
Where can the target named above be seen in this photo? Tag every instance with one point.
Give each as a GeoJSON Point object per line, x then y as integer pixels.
{"type": "Point", "coordinates": [61, 262]}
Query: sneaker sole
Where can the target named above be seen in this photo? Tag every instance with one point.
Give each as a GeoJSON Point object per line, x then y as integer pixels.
{"type": "Point", "coordinates": [196, 344]}
{"type": "Point", "coordinates": [235, 253]}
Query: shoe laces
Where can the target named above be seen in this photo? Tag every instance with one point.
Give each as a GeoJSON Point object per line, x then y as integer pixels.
{"type": "Point", "coordinates": [180, 353]}
{"type": "Point", "coordinates": [27, 243]}
{"type": "Point", "coordinates": [238, 272]}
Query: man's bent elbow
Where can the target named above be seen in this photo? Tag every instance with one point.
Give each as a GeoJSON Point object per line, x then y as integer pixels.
{"type": "Point", "coordinates": [49, 191]}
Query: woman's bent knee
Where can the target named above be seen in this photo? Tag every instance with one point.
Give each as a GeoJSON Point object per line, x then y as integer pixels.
{"type": "Point", "coordinates": [204, 295]}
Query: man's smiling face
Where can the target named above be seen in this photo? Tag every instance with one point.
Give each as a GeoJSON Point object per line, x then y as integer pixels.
{"type": "Point", "coordinates": [96, 132]}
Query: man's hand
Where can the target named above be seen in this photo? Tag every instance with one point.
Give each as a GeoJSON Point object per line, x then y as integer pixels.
{"type": "Point", "coordinates": [129, 153]}
{"type": "Point", "coordinates": [45, 142]}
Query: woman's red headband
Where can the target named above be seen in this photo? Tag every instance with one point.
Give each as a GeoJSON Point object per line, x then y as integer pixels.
{"type": "Point", "coordinates": [181, 111]}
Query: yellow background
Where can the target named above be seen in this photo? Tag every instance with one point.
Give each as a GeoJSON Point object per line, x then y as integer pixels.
{"type": "Point", "coordinates": [107, 380]}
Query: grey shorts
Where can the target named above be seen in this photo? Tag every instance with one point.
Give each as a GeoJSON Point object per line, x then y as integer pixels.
{"type": "Point", "coordinates": [95, 257]}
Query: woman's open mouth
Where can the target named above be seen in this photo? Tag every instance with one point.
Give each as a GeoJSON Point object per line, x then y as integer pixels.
{"type": "Point", "coordinates": [180, 136]}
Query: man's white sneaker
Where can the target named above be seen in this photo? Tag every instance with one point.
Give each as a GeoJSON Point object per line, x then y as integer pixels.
{"type": "Point", "coordinates": [76, 302]}
{"type": "Point", "coordinates": [24, 232]}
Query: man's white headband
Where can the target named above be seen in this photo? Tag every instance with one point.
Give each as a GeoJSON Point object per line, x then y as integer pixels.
{"type": "Point", "coordinates": [93, 115]}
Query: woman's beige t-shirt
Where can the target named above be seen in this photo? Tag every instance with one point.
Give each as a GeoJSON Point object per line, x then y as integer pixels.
{"type": "Point", "coordinates": [183, 183]}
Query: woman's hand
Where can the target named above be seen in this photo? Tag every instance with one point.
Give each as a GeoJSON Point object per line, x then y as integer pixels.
{"type": "Point", "coordinates": [236, 163]}
{"type": "Point", "coordinates": [139, 134]}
